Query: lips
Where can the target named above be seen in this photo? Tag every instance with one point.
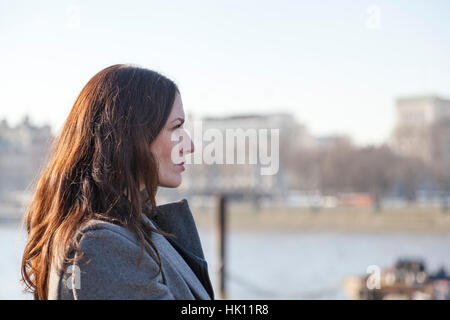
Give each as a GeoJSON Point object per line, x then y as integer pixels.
{"type": "Point", "coordinates": [181, 165]}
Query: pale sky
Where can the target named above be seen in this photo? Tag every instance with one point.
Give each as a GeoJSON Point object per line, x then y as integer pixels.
{"type": "Point", "coordinates": [333, 64]}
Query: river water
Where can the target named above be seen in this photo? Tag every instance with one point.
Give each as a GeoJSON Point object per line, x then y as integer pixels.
{"type": "Point", "coordinates": [276, 265]}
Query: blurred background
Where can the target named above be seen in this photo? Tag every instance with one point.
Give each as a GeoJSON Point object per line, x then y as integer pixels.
{"type": "Point", "coordinates": [360, 91]}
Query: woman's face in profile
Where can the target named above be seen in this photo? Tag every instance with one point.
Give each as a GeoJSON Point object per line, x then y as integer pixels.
{"type": "Point", "coordinates": [168, 142]}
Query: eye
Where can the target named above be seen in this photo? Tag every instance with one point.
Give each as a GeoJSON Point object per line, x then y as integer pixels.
{"type": "Point", "coordinates": [178, 126]}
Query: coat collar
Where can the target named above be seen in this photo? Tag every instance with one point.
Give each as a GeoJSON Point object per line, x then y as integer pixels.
{"type": "Point", "coordinates": [185, 268]}
{"type": "Point", "coordinates": [176, 218]}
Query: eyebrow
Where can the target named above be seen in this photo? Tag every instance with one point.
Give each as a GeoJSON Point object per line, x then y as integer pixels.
{"type": "Point", "coordinates": [181, 119]}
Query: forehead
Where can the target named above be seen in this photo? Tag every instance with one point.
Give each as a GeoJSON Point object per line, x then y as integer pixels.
{"type": "Point", "coordinates": [177, 109]}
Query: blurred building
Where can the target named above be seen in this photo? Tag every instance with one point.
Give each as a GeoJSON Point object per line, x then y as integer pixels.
{"type": "Point", "coordinates": [333, 141]}
{"type": "Point", "coordinates": [423, 128]}
{"type": "Point", "coordinates": [421, 111]}
{"type": "Point", "coordinates": [246, 179]}
{"type": "Point", "coordinates": [23, 149]}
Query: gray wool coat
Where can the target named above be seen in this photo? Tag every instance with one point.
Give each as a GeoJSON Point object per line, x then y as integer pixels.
{"type": "Point", "coordinates": [113, 251]}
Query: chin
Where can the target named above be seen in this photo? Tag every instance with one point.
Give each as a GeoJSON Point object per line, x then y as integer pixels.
{"type": "Point", "coordinates": [172, 183]}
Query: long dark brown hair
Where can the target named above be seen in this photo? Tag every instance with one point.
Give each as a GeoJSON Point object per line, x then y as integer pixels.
{"type": "Point", "coordinates": [97, 165]}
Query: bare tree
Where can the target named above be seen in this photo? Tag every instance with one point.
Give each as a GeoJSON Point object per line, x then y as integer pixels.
{"type": "Point", "coordinates": [373, 171]}
{"type": "Point", "coordinates": [440, 160]}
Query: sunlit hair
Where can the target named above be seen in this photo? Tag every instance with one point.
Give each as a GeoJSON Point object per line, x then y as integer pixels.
{"type": "Point", "coordinates": [101, 153]}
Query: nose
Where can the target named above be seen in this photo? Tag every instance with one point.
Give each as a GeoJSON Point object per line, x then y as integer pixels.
{"type": "Point", "coordinates": [188, 145]}
{"type": "Point", "coordinates": [191, 148]}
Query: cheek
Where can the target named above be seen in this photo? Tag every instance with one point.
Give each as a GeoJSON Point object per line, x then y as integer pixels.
{"type": "Point", "coordinates": [163, 149]}
{"type": "Point", "coordinates": [167, 150]}
{"type": "Point", "coordinates": [168, 172]}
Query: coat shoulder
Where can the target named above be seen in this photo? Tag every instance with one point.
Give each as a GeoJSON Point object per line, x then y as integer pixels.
{"type": "Point", "coordinates": [109, 268]}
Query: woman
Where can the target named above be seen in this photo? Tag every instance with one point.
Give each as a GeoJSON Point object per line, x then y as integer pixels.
{"type": "Point", "coordinates": [94, 230]}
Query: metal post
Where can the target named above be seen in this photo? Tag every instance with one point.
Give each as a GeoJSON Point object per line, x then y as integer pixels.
{"type": "Point", "coordinates": [221, 240]}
